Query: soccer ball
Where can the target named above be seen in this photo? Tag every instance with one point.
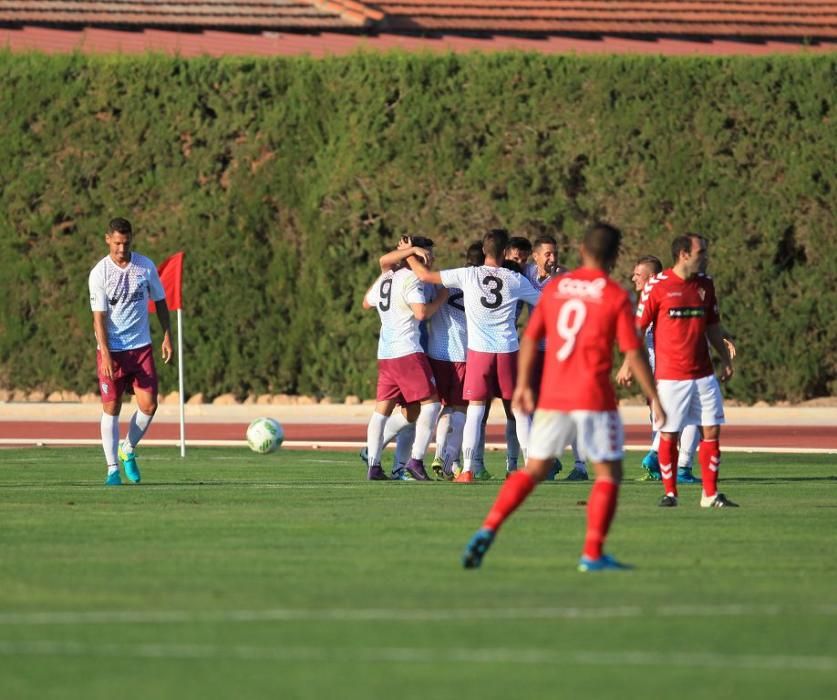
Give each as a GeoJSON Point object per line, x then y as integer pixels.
{"type": "Point", "coordinates": [265, 435]}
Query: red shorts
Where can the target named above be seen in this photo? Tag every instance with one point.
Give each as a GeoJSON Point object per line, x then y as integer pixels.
{"type": "Point", "coordinates": [450, 381]}
{"type": "Point", "coordinates": [406, 379]}
{"type": "Point", "coordinates": [131, 368]}
{"type": "Point", "coordinates": [489, 374]}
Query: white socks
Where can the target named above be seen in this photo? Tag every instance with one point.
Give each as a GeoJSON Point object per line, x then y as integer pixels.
{"type": "Point", "coordinates": [471, 433]}
{"type": "Point", "coordinates": [523, 426]}
{"type": "Point", "coordinates": [403, 445]}
{"type": "Point", "coordinates": [689, 441]}
{"type": "Point", "coordinates": [424, 428]}
{"type": "Point", "coordinates": [395, 423]}
{"type": "Point", "coordinates": [110, 441]}
{"type": "Point", "coordinates": [136, 429]}
{"type": "Point", "coordinates": [375, 437]}
{"type": "Point", "coordinates": [443, 426]}
{"type": "Point", "coordinates": [453, 446]}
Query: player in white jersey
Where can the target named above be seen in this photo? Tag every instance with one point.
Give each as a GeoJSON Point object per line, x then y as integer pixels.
{"type": "Point", "coordinates": [447, 347]}
{"type": "Point", "coordinates": [490, 295]}
{"type": "Point", "coordinates": [404, 374]}
{"type": "Point", "coordinates": [121, 285]}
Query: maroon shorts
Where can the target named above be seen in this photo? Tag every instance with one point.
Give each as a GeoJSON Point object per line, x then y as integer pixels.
{"type": "Point", "coordinates": [489, 374]}
{"type": "Point", "coordinates": [406, 379]}
{"type": "Point", "coordinates": [131, 368]}
{"type": "Point", "coordinates": [450, 381]}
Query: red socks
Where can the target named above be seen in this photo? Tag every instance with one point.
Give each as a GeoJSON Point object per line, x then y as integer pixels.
{"type": "Point", "coordinates": [667, 455]}
{"type": "Point", "coordinates": [709, 456]}
{"type": "Point", "coordinates": [514, 492]}
{"type": "Point", "coordinates": [601, 508]}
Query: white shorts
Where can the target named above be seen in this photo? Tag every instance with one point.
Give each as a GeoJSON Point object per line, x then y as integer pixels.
{"type": "Point", "coordinates": [691, 402]}
{"type": "Point", "coordinates": [599, 434]}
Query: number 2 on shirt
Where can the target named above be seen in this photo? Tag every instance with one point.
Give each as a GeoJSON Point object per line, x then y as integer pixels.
{"type": "Point", "coordinates": [571, 318]}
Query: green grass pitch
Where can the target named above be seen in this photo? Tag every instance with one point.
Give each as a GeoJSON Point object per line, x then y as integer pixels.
{"type": "Point", "coordinates": [232, 575]}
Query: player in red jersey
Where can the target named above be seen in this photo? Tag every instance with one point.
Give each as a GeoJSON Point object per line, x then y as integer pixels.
{"type": "Point", "coordinates": [682, 305]}
{"type": "Point", "coordinates": [581, 314]}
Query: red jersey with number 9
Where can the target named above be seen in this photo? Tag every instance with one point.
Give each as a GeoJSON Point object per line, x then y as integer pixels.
{"type": "Point", "coordinates": [581, 313]}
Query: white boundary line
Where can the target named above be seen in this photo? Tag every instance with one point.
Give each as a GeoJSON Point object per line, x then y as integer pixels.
{"type": "Point", "coordinates": [329, 444]}
{"type": "Point", "coordinates": [412, 655]}
{"type": "Point", "coordinates": [143, 617]}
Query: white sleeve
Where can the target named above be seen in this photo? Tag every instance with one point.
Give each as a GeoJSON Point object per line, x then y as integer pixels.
{"type": "Point", "coordinates": [372, 298]}
{"type": "Point", "coordinates": [155, 290]}
{"type": "Point", "coordinates": [414, 291]}
{"type": "Point", "coordinates": [453, 278]}
{"type": "Point", "coordinates": [98, 293]}
{"type": "Point", "coordinates": [527, 292]}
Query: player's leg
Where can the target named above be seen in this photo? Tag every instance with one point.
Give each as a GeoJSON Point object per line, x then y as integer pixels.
{"type": "Point", "coordinates": [709, 452]}
{"type": "Point", "coordinates": [601, 437]}
{"type": "Point", "coordinates": [139, 365]}
{"type": "Point", "coordinates": [111, 390]}
{"type": "Point", "coordinates": [453, 447]}
{"type": "Point", "coordinates": [425, 424]}
{"type": "Point", "coordinates": [443, 427]}
{"type": "Point", "coordinates": [549, 430]}
{"type": "Point", "coordinates": [579, 472]}
{"type": "Point", "coordinates": [689, 441]}
{"type": "Point", "coordinates": [512, 443]}
{"type": "Point", "coordinates": [478, 391]}
{"type": "Point", "coordinates": [375, 437]}
{"type": "Point", "coordinates": [682, 406]}
{"type": "Point", "coordinates": [416, 384]}
{"type": "Point", "coordinates": [403, 446]}
{"type": "Point", "coordinates": [521, 422]}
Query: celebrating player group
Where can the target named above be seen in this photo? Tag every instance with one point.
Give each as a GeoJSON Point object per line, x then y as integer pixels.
{"type": "Point", "coordinates": [554, 383]}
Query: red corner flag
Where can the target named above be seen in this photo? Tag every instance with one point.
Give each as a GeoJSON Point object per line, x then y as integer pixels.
{"type": "Point", "coordinates": [171, 275]}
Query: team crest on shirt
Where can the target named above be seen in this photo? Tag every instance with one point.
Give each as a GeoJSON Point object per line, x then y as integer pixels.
{"type": "Point", "coordinates": [702, 293]}
{"type": "Point", "coordinates": [105, 387]}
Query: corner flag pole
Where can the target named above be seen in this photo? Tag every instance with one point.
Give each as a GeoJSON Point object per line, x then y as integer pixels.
{"type": "Point", "coordinates": [180, 382]}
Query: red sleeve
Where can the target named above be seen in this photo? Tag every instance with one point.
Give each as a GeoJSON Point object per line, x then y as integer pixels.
{"type": "Point", "coordinates": [536, 328]}
{"type": "Point", "coordinates": [713, 314]}
{"type": "Point", "coordinates": [626, 333]}
{"type": "Point", "coordinates": [646, 310]}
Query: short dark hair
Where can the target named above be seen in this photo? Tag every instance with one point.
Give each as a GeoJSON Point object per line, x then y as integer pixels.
{"type": "Point", "coordinates": [651, 261]}
{"type": "Point", "coordinates": [120, 225]}
{"type": "Point", "coordinates": [519, 243]}
{"type": "Point", "coordinates": [602, 242]}
{"type": "Point", "coordinates": [512, 265]}
{"type": "Point", "coordinates": [422, 242]}
{"type": "Point", "coordinates": [683, 244]}
{"type": "Point", "coordinates": [494, 242]}
{"type": "Point", "coordinates": [474, 257]}
{"type": "Point", "coordinates": [544, 240]}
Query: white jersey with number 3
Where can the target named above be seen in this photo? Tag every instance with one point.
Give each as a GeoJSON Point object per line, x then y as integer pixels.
{"type": "Point", "coordinates": [490, 296]}
{"type": "Point", "coordinates": [391, 295]}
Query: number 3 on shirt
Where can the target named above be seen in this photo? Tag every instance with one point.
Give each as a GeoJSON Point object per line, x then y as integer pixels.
{"type": "Point", "coordinates": [571, 318]}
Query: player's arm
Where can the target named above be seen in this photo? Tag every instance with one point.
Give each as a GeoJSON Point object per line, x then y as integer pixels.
{"type": "Point", "coordinates": [101, 333]}
{"type": "Point", "coordinates": [624, 377]}
{"type": "Point", "coordinates": [165, 324]}
{"type": "Point", "coordinates": [390, 260]}
{"type": "Point", "coordinates": [714, 334]}
{"type": "Point", "coordinates": [528, 293]}
{"type": "Point", "coordinates": [637, 361]}
{"type": "Point", "coordinates": [729, 341]}
{"type": "Point", "coordinates": [441, 296]}
{"type": "Point", "coordinates": [424, 273]}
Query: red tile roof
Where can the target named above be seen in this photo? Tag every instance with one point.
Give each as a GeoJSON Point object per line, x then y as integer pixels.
{"type": "Point", "coordinates": [750, 18]}
{"type": "Point", "coordinates": [263, 14]}
{"type": "Point", "coordinates": [215, 26]}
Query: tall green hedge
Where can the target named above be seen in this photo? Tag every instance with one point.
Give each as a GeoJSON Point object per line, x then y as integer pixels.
{"type": "Point", "coordinates": [283, 179]}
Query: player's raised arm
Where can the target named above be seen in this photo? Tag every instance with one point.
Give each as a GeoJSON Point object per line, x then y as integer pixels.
{"type": "Point", "coordinates": [424, 273]}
